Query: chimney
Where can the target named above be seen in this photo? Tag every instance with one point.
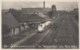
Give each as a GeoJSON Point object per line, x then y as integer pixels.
{"type": "Point", "coordinates": [43, 4]}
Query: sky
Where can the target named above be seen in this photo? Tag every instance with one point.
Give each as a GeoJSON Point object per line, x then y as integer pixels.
{"type": "Point", "coordinates": [59, 5]}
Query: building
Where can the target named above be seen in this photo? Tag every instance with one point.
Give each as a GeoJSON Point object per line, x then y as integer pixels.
{"type": "Point", "coordinates": [9, 21]}
{"type": "Point", "coordinates": [35, 10]}
{"type": "Point", "coordinates": [43, 10]}
{"type": "Point", "coordinates": [34, 20]}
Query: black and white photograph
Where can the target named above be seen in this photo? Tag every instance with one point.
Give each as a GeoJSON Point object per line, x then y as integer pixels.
{"type": "Point", "coordinates": [40, 25]}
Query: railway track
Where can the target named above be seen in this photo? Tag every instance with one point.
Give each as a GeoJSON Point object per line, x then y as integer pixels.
{"type": "Point", "coordinates": [64, 36]}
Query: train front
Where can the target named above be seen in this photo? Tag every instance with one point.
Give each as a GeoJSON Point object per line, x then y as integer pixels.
{"type": "Point", "coordinates": [44, 26]}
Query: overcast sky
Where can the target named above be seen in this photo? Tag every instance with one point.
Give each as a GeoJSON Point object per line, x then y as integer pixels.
{"type": "Point", "coordinates": [59, 5]}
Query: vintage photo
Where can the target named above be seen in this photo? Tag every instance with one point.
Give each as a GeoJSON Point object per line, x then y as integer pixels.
{"type": "Point", "coordinates": [40, 25]}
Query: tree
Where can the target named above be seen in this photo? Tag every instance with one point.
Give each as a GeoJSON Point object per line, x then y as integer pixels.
{"type": "Point", "coordinates": [5, 36]}
{"type": "Point", "coordinates": [52, 13]}
{"type": "Point", "coordinates": [5, 29]}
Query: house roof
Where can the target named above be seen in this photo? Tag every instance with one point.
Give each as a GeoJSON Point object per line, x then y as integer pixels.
{"type": "Point", "coordinates": [9, 20]}
{"type": "Point", "coordinates": [31, 10]}
{"type": "Point", "coordinates": [35, 18]}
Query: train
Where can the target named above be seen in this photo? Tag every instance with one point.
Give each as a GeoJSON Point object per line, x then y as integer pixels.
{"type": "Point", "coordinates": [44, 26]}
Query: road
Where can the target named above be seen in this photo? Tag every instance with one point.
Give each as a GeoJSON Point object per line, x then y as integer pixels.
{"type": "Point", "coordinates": [64, 36]}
